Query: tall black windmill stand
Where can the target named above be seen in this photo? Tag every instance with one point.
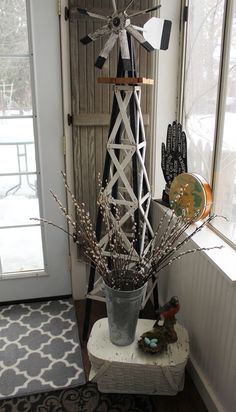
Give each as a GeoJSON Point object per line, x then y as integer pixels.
{"type": "Point", "coordinates": [126, 139]}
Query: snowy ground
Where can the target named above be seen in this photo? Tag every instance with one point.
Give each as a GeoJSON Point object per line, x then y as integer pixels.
{"type": "Point", "coordinates": [20, 248]}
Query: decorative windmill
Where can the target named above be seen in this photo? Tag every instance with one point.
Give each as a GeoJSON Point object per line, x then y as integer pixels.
{"type": "Point", "coordinates": [153, 35]}
{"type": "Point", "coordinates": [125, 177]}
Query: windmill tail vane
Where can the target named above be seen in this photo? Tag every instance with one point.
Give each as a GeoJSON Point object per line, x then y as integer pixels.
{"type": "Point", "coordinates": [154, 35]}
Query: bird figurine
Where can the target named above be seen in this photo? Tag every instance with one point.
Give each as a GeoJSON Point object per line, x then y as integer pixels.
{"type": "Point", "coordinates": [167, 311]}
{"type": "Point", "coordinates": [162, 333]}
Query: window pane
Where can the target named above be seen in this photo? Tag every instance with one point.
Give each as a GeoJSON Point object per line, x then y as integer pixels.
{"type": "Point", "coordinates": [15, 89]}
{"type": "Point", "coordinates": [225, 190]}
{"type": "Point", "coordinates": [18, 200]}
{"type": "Point", "coordinates": [21, 249]}
{"type": "Point", "coordinates": [17, 150]}
{"type": "Point", "coordinates": [202, 70]}
{"type": "Point", "coordinates": [13, 33]}
{"type": "Point", "coordinates": [17, 158]}
{"type": "Point", "coordinates": [16, 130]}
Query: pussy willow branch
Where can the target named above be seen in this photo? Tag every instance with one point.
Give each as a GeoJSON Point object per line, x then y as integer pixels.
{"type": "Point", "coordinates": [81, 211]}
{"type": "Point", "coordinates": [198, 229]}
{"type": "Point", "coordinates": [166, 231]}
{"type": "Point", "coordinates": [184, 241]}
{"type": "Point", "coordinates": [114, 231]}
{"type": "Point", "coordinates": [166, 250]}
{"type": "Point", "coordinates": [109, 224]}
{"type": "Point", "coordinates": [157, 261]}
{"type": "Point", "coordinates": [167, 241]}
{"type": "Point", "coordinates": [99, 263]}
{"type": "Point", "coordinates": [64, 210]}
{"type": "Point", "coordinates": [116, 268]}
{"type": "Point", "coordinates": [85, 233]}
{"type": "Point", "coordinates": [154, 272]}
{"type": "Point", "coordinates": [166, 244]}
{"type": "Point", "coordinates": [40, 219]}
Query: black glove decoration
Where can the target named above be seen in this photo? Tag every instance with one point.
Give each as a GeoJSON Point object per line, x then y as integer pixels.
{"type": "Point", "coordinates": [173, 157]}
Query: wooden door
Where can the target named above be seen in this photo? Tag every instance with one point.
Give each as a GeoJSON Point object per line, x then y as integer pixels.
{"type": "Point", "coordinates": [92, 102]}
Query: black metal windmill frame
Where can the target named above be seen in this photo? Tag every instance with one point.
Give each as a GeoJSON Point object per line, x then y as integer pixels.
{"type": "Point", "coordinates": [118, 26]}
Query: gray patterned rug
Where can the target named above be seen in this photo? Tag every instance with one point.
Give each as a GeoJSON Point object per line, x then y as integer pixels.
{"type": "Point", "coordinates": [86, 398]}
{"type": "Point", "coordinates": [39, 348]}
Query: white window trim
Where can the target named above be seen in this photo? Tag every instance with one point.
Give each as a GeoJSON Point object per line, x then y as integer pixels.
{"type": "Point", "coordinates": [224, 259]}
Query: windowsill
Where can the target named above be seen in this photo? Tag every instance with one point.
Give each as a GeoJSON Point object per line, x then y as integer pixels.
{"type": "Point", "coordinates": [224, 259]}
{"type": "Point", "coordinates": [21, 275]}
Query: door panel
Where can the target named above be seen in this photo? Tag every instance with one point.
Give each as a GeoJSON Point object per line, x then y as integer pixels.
{"type": "Point", "coordinates": [34, 259]}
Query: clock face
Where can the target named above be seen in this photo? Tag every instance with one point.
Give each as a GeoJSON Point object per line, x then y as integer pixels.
{"type": "Point", "coordinates": [190, 195]}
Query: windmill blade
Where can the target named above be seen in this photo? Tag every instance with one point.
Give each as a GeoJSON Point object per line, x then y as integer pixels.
{"type": "Point", "coordinates": [114, 6]}
{"type": "Point", "coordinates": [90, 14]}
{"type": "Point", "coordinates": [95, 35]}
{"type": "Point", "coordinates": [137, 27]}
{"type": "Point", "coordinates": [124, 48]}
{"type": "Point", "coordinates": [128, 6]}
{"type": "Point", "coordinates": [106, 50]}
{"type": "Point", "coordinates": [139, 37]}
{"type": "Point", "coordinates": [145, 11]}
{"type": "Point", "coordinates": [157, 33]}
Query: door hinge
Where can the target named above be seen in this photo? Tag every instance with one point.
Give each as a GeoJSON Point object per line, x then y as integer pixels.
{"type": "Point", "coordinates": [69, 119]}
{"type": "Point", "coordinates": [66, 13]}
{"type": "Point", "coordinates": [59, 7]}
{"type": "Point", "coordinates": [185, 13]}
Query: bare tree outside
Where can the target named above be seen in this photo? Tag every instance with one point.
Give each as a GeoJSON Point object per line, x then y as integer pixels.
{"type": "Point", "coordinates": [15, 89]}
{"type": "Point", "coordinates": [202, 73]}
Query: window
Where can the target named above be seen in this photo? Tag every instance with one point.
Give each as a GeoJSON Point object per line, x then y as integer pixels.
{"type": "Point", "coordinates": [209, 103]}
{"type": "Point", "coordinates": [20, 238]}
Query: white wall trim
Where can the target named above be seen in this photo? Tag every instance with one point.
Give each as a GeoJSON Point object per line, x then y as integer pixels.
{"type": "Point", "coordinates": [204, 388]}
{"type": "Point", "coordinates": [78, 269]}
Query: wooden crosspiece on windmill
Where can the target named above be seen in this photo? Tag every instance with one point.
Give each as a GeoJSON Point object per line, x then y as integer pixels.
{"type": "Point", "coordinates": [125, 178]}
{"type": "Point", "coordinates": [132, 197]}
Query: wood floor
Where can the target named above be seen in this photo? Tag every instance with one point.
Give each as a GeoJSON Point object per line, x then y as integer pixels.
{"type": "Point", "coordinates": [186, 401]}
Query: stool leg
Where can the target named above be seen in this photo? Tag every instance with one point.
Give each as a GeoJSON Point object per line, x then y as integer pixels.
{"type": "Point", "coordinates": [88, 304]}
{"type": "Point", "coordinates": [155, 294]}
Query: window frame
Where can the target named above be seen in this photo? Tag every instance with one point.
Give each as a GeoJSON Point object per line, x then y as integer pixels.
{"type": "Point", "coordinates": [221, 88]}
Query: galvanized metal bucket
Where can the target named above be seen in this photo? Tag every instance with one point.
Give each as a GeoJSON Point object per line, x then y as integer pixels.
{"type": "Point", "coordinates": [123, 311]}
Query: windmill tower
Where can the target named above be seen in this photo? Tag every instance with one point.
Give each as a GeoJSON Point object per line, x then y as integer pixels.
{"type": "Point", "coordinates": [125, 178]}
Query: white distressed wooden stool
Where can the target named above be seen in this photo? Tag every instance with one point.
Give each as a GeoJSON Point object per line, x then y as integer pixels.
{"type": "Point", "coordinates": [126, 369]}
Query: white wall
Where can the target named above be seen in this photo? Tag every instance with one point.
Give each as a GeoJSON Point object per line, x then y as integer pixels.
{"type": "Point", "coordinates": [208, 311]}
{"type": "Point", "coordinates": [165, 106]}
